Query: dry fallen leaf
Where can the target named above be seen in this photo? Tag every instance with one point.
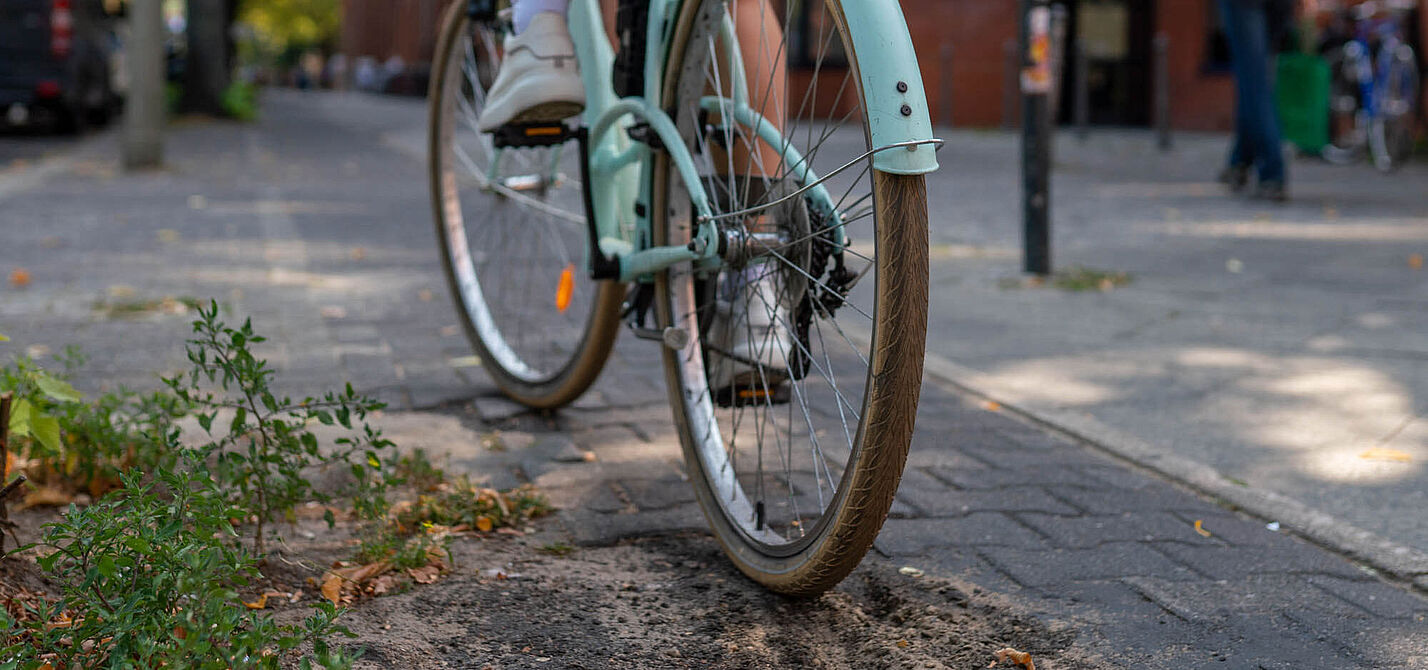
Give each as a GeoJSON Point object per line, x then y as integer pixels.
{"type": "Point", "coordinates": [1415, 261]}
{"type": "Point", "coordinates": [1200, 528]}
{"type": "Point", "coordinates": [427, 574]}
{"type": "Point", "coordinates": [332, 588]}
{"type": "Point", "coordinates": [992, 406]}
{"type": "Point", "coordinates": [483, 524]}
{"type": "Point", "coordinates": [258, 604]}
{"type": "Point", "coordinates": [1019, 657]}
{"type": "Point", "coordinates": [1383, 454]}
{"type": "Point", "coordinates": [358, 253]}
{"type": "Point", "coordinates": [19, 277]}
{"type": "Point", "coordinates": [902, 644]}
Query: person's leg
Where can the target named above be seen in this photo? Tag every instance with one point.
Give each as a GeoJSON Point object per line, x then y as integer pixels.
{"type": "Point", "coordinates": [1242, 153]}
{"type": "Point", "coordinates": [1249, 49]}
{"type": "Point", "coordinates": [1269, 150]}
{"type": "Point", "coordinates": [522, 11]}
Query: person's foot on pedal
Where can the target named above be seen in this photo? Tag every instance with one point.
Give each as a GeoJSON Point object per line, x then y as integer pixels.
{"type": "Point", "coordinates": [539, 81]}
{"type": "Point", "coordinates": [753, 346]}
{"type": "Point", "coordinates": [751, 338]}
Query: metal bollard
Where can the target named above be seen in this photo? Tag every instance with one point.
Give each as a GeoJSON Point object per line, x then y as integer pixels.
{"type": "Point", "coordinates": [1161, 46]}
{"type": "Point", "coordinates": [1082, 110]}
{"type": "Point", "coordinates": [947, 90]}
{"type": "Point", "coordinates": [1012, 86]}
{"type": "Point", "coordinates": [1036, 135]}
{"type": "Point", "coordinates": [1059, 21]}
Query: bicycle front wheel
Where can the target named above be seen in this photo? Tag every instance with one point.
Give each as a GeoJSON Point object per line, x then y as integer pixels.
{"type": "Point", "coordinates": [796, 390]}
{"type": "Point", "coordinates": [511, 226]}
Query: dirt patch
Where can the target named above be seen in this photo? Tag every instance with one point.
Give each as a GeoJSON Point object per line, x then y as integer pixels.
{"type": "Point", "coordinates": [675, 602]}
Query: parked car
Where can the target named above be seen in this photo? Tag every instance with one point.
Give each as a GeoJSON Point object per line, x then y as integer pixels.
{"type": "Point", "coordinates": [56, 63]}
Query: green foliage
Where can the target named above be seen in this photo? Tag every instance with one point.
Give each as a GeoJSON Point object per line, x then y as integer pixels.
{"type": "Point", "coordinates": [264, 451]}
{"type": "Point", "coordinates": [283, 25]}
{"type": "Point", "coordinates": [416, 470]}
{"type": "Point", "coordinates": [79, 445]}
{"type": "Point", "coordinates": [150, 575]}
{"type": "Point", "coordinates": [38, 393]}
{"type": "Point", "coordinates": [240, 101]}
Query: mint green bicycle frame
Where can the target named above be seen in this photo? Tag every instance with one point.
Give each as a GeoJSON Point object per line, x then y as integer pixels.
{"type": "Point", "coordinates": [620, 168]}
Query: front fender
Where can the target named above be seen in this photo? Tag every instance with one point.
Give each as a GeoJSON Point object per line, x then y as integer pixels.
{"type": "Point", "coordinates": [884, 59]}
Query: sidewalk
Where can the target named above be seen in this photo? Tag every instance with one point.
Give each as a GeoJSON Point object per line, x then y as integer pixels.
{"type": "Point", "coordinates": [1283, 347]}
{"type": "Point", "coordinates": [316, 223]}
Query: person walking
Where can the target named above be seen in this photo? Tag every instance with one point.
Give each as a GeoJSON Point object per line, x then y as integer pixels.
{"type": "Point", "coordinates": [1250, 27]}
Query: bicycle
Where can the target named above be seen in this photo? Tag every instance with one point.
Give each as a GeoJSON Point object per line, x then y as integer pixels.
{"type": "Point", "coordinates": [1374, 90]}
{"type": "Point", "coordinates": [553, 235]}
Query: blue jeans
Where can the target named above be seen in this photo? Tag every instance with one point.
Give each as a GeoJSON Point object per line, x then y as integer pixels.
{"type": "Point", "coordinates": [1257, 138]}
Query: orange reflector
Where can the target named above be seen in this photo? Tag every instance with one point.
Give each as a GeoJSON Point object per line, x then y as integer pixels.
{"type": "Point", "coordinates": [749, 394]}
{"type": "Point", "coordinates": [543, 131]}
{"type": "Point", "coordinates": [566, 289]}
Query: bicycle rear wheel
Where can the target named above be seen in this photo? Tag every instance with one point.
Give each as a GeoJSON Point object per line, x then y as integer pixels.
{"type": "Point", "coordinates": [796, 464]}
{"type": "Point", "coordinates": [511, 226]}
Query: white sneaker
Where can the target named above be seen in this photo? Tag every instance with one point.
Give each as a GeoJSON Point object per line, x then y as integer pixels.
{"type": "Point", "coordinates": [752, 346]}
{"type": "Point", "coordinates": [750, 334]}
{"type": "Point", "coordinates": [539, 80]}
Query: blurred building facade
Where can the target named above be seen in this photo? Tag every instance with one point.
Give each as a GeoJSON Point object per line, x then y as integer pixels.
{"type": "Point", "coordinates": [962, 52]}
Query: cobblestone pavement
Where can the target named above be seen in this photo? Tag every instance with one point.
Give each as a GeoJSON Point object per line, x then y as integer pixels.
{"type": "Point", "coordinates": [309, 223]}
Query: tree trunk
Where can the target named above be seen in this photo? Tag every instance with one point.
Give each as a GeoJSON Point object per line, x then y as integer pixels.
{"type": "Point", "coordinates": [209, 68]}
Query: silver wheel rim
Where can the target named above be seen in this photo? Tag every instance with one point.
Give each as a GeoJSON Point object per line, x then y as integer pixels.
{"type": "Point", "coordinates": [511, 231]}
{"type": "Point", "coordinates": [815, 437]}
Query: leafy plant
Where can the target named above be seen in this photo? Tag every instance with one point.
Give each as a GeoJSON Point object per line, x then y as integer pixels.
{"type": "Point", "coordinates": [149, 578]}
{"type": "Point", "coordinates": [265, 453]}
{"type": "Point", "coordinates": [38, 394]}
{"type": "Point", "coordinates": [79, 445]}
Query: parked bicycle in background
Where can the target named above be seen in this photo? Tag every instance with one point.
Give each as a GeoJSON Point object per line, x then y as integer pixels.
{"type": "Point", "coordinates": [1374, 86]}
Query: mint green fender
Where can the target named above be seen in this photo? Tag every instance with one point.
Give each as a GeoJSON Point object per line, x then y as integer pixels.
{"type": "Point", "coordinates": [885, 59]}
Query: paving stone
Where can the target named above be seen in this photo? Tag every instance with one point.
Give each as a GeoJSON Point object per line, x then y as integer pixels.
{"type": "Point", "coordinates": [942, 457]}
{"type": "Point", "coordinates": [1246, 596]}
{"type": "Point", "coordinates": [1237, 562]}
{"type": "Point", "coordinates": [986, 478]}
{"type": "Point", "coordinates": [656, 494]}
{"type": "Point", "coordinates": [589, 528]}
{"type": "Point", "coordinates": [954, 503]}
{"type": "Point", "coordinates": [497, 408]}
{"type": "Point", "coordinates": [1374, 644]}
{"type": "Point", "coordinates": [1377, 598]}
{"type": "Point", "coordinates": [911, 537]}
{"type": "Point", "coordinates": [1108, 561]}
{"type": "Point", "coordinates": [1233, 530]}
{"type": "Point", "coordinates": [1092, 599]}
{"type": "Point", "coordinates": [1089, 531]}
{"type": "Point", "coordinates": [1114, 501]}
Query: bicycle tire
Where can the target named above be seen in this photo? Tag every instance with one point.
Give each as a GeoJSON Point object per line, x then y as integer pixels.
{"type": "Point", "coordinates": [769, 540]}
{"type": "Point", "coordinates": [582, 330]}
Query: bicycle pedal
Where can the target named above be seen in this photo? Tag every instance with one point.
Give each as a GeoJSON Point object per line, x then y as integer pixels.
{"type": "Point", "coordinates": [521, 135]}
{"type": "Point", "coordinates": [747, 396]}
